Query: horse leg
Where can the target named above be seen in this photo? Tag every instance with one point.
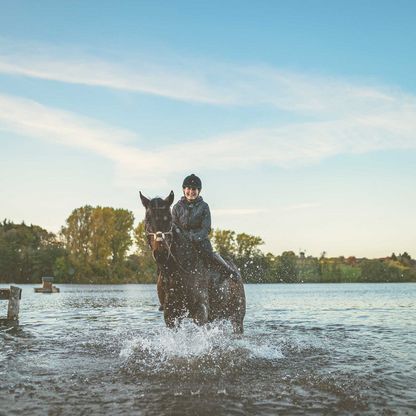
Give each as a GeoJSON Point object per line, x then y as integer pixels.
{"type": "Point", "coordinates": [238, 308]}
{"type": "Point", "coordinates": [237, 324]}
{"type": "Point", "coordinates": [170, 319]}
{"type": "Point", "coordinates": [160, 290]}
{"type": "Point", "coordinates": [172, 315]}
{"type": "Point", "coordinates": [173, 310]}
{"type": "Point", "coordinates": [201, 314]}
{"type": "Point", "coordinates": [200, 303]}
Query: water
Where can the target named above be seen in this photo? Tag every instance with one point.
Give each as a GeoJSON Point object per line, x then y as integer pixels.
{"type": "Point", "coordinates": [307, 349]}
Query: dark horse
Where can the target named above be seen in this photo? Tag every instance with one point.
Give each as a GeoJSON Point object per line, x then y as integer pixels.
{"type": "Point", "coordinates": [186, 285]}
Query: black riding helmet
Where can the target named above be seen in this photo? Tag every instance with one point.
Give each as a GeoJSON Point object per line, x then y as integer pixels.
{"type": "Point", "coordinates": [192, 181]}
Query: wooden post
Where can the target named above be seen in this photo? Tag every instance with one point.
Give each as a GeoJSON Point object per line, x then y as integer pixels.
{"type": "Point", "coordinates": [13, 295]}
{"type": "Point", "coordinates": [14, 303]}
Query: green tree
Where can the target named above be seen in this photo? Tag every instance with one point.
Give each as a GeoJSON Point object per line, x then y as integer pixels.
{"type": "Point", "coordinates": [225, 243]}
{"type": "Point", "coordinates": [142, 261]}
{"type": "Point", "coordinates": [249, 258]}
{"type": "Point", "coordinates": [287, 270]}
{"type": "Point", "coordinates": [248, 245]}
{"type": "Point", "coordinates": [373, 271]}
{"type": "Point", "coordinates": [405, 259]}
{"type": "Point", "coordinates": [76, 236]}
{"type": "Point", "coordinates": [121, 239]}
{"type": "Point", "coordinates": [308, 269]}
{"type": "Point", "coordinates": [97, 240]}
{"type": "Point", "coordinates": [27, 252]}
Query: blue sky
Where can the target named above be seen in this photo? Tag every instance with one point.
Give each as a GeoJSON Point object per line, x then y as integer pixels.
{"type": "Point", "coordinates": [299, 116]}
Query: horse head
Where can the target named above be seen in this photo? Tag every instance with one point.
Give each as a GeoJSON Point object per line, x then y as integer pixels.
{"type": "Point", "coordinates": [158, 222]}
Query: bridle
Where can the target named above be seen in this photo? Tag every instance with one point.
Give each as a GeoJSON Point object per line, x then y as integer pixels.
{"type": "Point", "coordinates": [160, 236]}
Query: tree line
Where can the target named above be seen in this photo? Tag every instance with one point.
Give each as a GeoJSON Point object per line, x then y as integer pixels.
{"type": "Point", "coordinates": [102, 245]}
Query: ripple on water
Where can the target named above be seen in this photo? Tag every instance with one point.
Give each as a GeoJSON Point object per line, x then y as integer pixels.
{"type": "Point", "coordinates": [316, 350]}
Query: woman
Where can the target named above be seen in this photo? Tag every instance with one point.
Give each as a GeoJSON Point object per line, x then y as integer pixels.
{"type": "Point", "coordinates": [192, 214]}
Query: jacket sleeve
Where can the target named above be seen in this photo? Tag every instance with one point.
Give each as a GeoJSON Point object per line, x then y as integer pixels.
{"type": "Point", "coordinates": [203, 232]}
{"type": "Point", "coordinates": [175, 215]}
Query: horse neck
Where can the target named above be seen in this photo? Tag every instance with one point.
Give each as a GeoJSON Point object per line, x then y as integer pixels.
{"type": "Point", "coordinates": [162, 258]}
{"type": "Point", "coordinates": [183, 248]}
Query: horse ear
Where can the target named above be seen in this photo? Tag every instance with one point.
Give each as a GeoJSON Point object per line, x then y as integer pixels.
{"type": "Point", "coordinates": [145, 201]}
{"type": "Point", "coordinates": [170, 198]}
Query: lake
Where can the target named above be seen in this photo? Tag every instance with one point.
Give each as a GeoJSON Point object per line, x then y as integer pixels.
{"type": "Point", "coordinates": [308, 349]}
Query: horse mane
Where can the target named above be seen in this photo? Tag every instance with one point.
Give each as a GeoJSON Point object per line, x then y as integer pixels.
{"type": "Point", "coordinates": [183, 246]}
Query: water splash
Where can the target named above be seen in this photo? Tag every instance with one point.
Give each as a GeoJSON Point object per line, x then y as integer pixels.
{"type": "Point", "coordinates": [211, 349]}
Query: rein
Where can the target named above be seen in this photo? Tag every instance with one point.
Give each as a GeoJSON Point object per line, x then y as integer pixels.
{"type": "Point", "coordinates": [160, 236]}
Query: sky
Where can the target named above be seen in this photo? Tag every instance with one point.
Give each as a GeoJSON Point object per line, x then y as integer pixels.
{"type": "Point", "coordinates": [298, 116]}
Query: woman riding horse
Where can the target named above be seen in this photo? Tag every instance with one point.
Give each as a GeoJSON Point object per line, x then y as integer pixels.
{"type": "Point", "coordinates": [187, 285]}
{"type": "Point", "coordinates": [192, 213]}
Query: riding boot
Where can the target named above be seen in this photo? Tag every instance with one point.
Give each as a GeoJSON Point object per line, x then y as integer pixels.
{"type": "Point", "coordinates": [224, 268]}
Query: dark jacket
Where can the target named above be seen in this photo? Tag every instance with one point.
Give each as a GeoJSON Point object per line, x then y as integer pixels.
{"type": "Point", "coordinates": [193, 217]}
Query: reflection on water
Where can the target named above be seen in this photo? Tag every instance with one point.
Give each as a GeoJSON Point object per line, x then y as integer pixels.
{"type": "Point", "coordinates": [307, 349]}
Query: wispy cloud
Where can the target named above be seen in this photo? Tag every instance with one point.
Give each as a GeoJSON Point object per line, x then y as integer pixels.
{"type": "Point", "coordinates": [135, 75]}
{"type": "Point", "coordinates": [285, 146]}
{"type": "Point", "coordinates": [333, 116]}
{"type": "Point", "coordinates": [197, 81]}
{"type": "Point", "coordinates": [29, 118]}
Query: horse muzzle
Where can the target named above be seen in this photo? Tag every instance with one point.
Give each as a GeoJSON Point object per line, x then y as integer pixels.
{"type": "Point", "coordinates": [159, 236]}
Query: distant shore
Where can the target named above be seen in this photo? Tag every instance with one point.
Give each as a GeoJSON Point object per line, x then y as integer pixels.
{"type": "Point", "coordinates": [100, 245]}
